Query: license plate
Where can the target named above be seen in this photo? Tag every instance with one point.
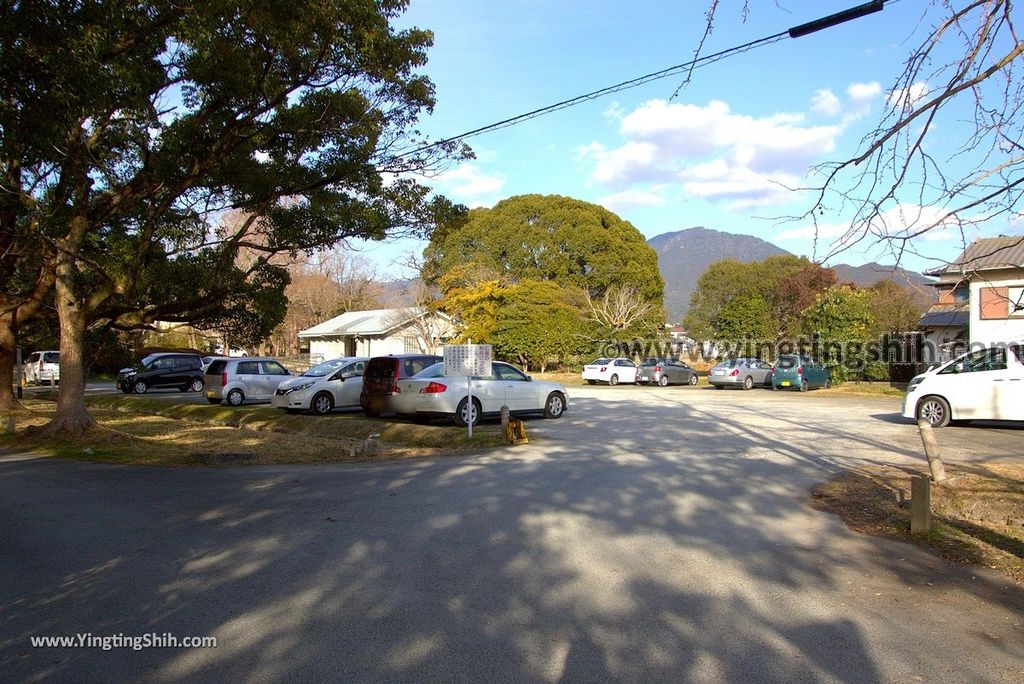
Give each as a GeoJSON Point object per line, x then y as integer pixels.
{"type": "Point", "coordinates": [785, 383]}
{"type": "Point", "coordinates": [719, 372]}
{"type": "Point", "coordinates": [211, 394]}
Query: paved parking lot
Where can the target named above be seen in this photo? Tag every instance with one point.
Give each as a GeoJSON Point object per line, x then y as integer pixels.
{"type": "Point", "coordinates": [655, 534]}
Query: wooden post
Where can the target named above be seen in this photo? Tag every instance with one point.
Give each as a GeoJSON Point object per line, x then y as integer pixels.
{"type": "Point", "coordinates": [931, 450]}
{"type": "Point", "coordinates": [504, 419]}
{"type": "Point", "coordinates": [920, 505]}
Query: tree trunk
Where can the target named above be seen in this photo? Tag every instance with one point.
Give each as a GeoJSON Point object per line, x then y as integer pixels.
{"type": "Point", "coordinates": [8, 349]}
{"type": "Point", "coordinates": [72, 417]}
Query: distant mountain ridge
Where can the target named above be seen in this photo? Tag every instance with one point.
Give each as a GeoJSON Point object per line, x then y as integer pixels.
{"type": "Point", "coordinates": [684, 255]}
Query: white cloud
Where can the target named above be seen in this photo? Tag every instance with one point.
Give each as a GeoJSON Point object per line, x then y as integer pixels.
{"type": "Point", "coordinates": [632, 198]}
{"type": "Point", "coordinates": [825, 103]}
{"type": "Point", "coordinates": [908, 98]}
{"type": "Point", "coordinates": [614, 112]}
{"type": "Point", "coordinates": [902, 221]}
{"type": "Point", "coordinates": [468, 183]}
{"type": "Point", "coordinates": [859, 98]}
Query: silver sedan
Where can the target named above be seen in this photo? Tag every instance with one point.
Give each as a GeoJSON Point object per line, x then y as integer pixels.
{"type": "Point", "coordinates": [743, 373]}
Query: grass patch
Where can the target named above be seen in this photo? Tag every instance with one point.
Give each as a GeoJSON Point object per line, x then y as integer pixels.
{"type": "Point", "coordinates": [978, 515]}
{"type": "Point", "coordinates": [151, 432]}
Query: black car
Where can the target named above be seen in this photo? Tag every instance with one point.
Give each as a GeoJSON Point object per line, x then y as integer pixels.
{"type": "Point", "coordinates": [179, 371]}
{"type": "Point", "coordinates": [381, 375]}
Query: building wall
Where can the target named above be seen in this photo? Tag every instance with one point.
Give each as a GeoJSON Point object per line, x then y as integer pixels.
{"type": "Point", "coordinates": [993, 319]}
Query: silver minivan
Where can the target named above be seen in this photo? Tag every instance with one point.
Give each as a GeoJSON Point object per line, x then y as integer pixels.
{"type": "Point", "coordinates": [238, 380]}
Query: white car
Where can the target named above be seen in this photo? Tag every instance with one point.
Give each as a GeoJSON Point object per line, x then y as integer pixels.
{"type": "Point", "coordinates": [431, 394]}
{"type": "Point", "coordinates": [323, 388]}
{"type": "Point", "coordinates": [980, 385]}
{"type": "Point", "coordinates": [42, 366]}
{"type": "Point", "coordinates": [612, 371]}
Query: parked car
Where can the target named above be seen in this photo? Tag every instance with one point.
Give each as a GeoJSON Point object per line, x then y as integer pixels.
{"type": "Point", "coordinates": [793, 371]}
{"type": "Point", "coordinates": [431, 394]}
{"type": "Point", "coordinates": [740, 372]}
{"type": "Point", "coordinates": [42, 366]}
{"type": "Point", "coordinates": [248, 378]}
{"type": "Point", "coordinates": [982, 385]}
{"type": "Point", "coordinates": [324, 387]}
{"type": "Point", "coordinates": [612, 371]}
{"type": "Point", "coordinates": [665, 372]}
{"type": "Point", "coordinates": [163, 371]}
{"type": "Point", "coordinates": [381, 376]}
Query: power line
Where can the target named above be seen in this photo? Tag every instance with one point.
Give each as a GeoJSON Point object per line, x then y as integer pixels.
{"type": "Point", "coordinates": [693, 64]}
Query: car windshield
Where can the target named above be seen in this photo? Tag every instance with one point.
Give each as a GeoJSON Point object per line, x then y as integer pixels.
{"type": "Point", "coordinates": [787, 362]}
{"type": "Point", "coordinates": [731, 363]}
{"type": "Point", "coordinates": [325, 368]}
{"type": "Point", "coordinates": [434, 371]}
{"type": "Point", "coordinates": [599, 362]}
{"type": "Point", "coordinates": [51, 357]}
{"type": "Point", "coordinates": [650, 362]}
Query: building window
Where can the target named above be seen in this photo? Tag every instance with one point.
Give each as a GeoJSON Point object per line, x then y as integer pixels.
{"type": "Point", "coordinates": [961, 293]}
{"type": "Point", "coordinates": [412, 345]}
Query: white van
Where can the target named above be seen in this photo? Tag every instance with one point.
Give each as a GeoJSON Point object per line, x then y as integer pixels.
{"type": "Point", "coordinates": [979, 385]}
{"type": "Point", "coordinates": [43, 366]}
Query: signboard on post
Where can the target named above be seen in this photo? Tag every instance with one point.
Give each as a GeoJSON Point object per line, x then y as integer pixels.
{"type": "Point", "coordinates": [469, 361]}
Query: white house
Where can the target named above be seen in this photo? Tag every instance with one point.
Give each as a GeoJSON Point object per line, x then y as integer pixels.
{"type": "Point", "coordinates": [378, 332]}
{"type": "Point", "coordinates": [981, 296]}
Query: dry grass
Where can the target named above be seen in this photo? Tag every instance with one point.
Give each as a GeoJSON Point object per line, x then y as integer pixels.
{"type": "Point", "coordinates": [171, 435]}
{"type": "Point", "coordinates": [978, 514]}
{"type": "Point", "coordinates": [874, 389]}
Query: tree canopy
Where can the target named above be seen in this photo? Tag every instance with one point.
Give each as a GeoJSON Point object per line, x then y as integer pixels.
{"type": "Point", "coordinates": [127, 129]}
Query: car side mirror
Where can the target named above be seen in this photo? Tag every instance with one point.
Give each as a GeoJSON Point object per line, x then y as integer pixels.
{"type": "Point", "coordinates": [958, 368]}
{"type": "Point", "coordinates": [348, 374]}
{"type": "Point", "coordinates": [529, 378]}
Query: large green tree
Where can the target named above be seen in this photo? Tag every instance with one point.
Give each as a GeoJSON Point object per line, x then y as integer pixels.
{"type": "Point", "coordinates": [549, 237]}
{"type": "Point", "coordinates": [769, 291]}
{"type": "Point", "coordinates": [128, 128]}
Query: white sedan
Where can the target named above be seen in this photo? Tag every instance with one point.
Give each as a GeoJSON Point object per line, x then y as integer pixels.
{"type": "Point", "coordinates": [323, 388]}
{"type": "Point", "coordinates": [612, 371]}
{"type": "Point", "coordinates": [431, 394]}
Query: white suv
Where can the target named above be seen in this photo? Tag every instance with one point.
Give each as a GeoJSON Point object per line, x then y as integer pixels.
{"type": "Point", "coordinates": [980, 385]}
{"type": "Point", "coordinates": [43, 366]}
{"type": "Point", "coordinates": [237, 380]}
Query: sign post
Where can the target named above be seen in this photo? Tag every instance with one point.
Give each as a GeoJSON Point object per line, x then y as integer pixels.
{"type": "Point", "coordinates": [469, 360]}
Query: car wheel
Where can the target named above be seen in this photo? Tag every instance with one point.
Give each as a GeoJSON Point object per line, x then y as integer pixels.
{"type": "Point", "coordinates": [693, 379]}
{"type": "Point", "coordinates": [235, 397]}
{"type": "Point", "coordinates": [719, 386]}
{"type": "Point", "coordinates": [466, 413]}
{"type": "Point", "coordinates": [322, 404]}
{"type": "Point", "coordinates": [663, 381]}
{"type": "Point", "coordinates": [614, 380]}
{"type": "Point", "coordinates": [803, 385]}
{"type": "Point", "coordinates": [591, 382]}
{"type": "Point", "coordinates": [213, 401]}
{"type": "Point", "coordinates": [140, 387]}
{"type": "Point", "coordinates": [197, 385]}
{"type": "Point", "coordinates": [748, 383]}
{"type": "Point", "coordinates": [554, 407]}
{"type": "Point", "coordinates": [935, 410]}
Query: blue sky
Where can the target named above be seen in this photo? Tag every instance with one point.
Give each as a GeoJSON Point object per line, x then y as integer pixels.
{"type": "Point", "coordinates": [719, 154]}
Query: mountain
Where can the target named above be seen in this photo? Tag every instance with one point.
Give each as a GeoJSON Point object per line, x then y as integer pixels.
{"type": "Point", "coordinates": [684, 255]}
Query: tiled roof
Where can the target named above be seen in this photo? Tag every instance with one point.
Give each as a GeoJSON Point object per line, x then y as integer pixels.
{"type": "Point", "coordinates": [957, 315]}
{"type": "Point", "coordinates": [987, 253]}
{"type": "Point", "coordinates": [363, 323]}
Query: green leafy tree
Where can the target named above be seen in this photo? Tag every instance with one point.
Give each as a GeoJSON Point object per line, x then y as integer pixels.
{"type": "Point", "coordinates": [729, 279]}
{"type": "Point", "coordinates": [537, 323]}
{"type": "Point", "coordinates": [842, 319]}
{"type": "Point", "coordinates": [894, 308]}
{"type": "Point", "coordinates": [551, 238]}
{"type": "Point", "coordinates": [128, 127]}
{"type": "Point", "coordinates": [745, 316]}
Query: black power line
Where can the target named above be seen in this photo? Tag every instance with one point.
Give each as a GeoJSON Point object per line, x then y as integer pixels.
{"type": "Point", "coordinates": [795, 32]}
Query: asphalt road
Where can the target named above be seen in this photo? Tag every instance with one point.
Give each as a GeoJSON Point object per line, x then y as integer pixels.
{"type": "Point", "coordinates": [655, 534]}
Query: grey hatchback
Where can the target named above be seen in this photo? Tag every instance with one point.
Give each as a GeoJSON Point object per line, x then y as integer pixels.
{"type": "Point", "coordinates": [665, 372]}
{"type": "Point", "coordinates": [240, 379]}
